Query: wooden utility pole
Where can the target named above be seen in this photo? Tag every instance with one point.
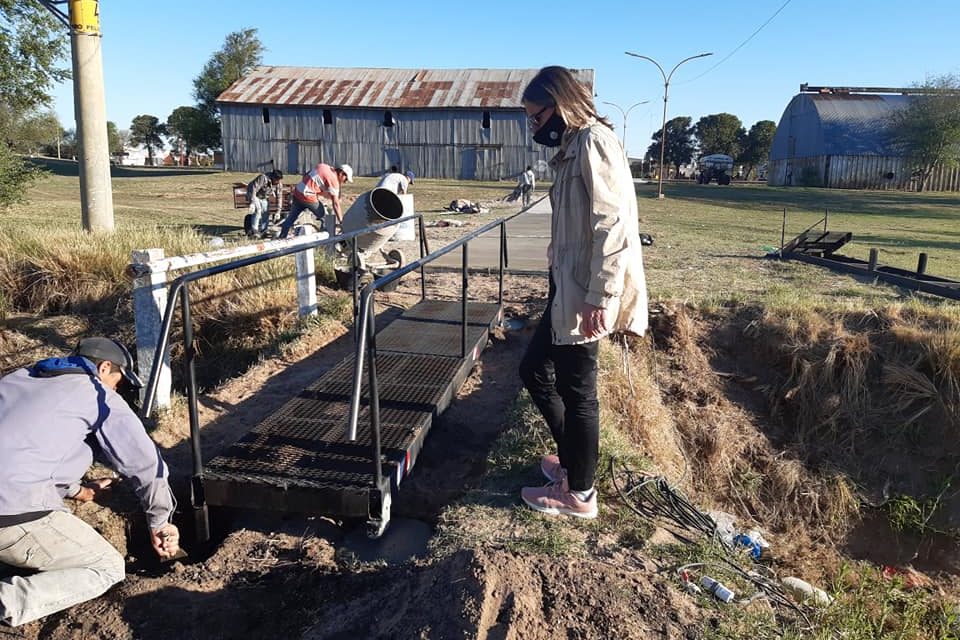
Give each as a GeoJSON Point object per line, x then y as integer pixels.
{"type": "Point", "coordinates": [90, 113]}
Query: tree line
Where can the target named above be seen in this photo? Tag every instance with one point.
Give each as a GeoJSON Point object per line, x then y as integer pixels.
{"type": "Point", "coordinates": [191, 129]}
{"type": "Point", "coordinates": [34, 48]}
{"type": "Point", "coordinates": [716, 133]}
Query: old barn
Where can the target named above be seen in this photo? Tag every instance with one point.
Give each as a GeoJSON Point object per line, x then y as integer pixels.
{"type": "Point", "coordinates": [439, 123]}
{"type": "Point", "coordinates": [840, 137]}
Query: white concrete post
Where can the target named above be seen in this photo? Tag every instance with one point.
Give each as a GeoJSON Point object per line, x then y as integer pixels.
{"type": "Point", "coordinates": [149, 303]}
{"type": "Point", "coordinates": [306, 279]}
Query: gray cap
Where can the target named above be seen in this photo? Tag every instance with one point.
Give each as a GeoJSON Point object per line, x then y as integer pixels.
{"type": "Point", "coordinates": [111, 351]}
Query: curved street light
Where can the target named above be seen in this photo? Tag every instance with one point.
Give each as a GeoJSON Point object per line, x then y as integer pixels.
{"type": "Point", "coordinates": [666, 88]}
{"type": "Point", "coordinates": [624, 114]}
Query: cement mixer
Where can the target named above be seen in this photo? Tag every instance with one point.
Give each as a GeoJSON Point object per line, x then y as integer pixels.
{"type": "Point", "coordinates": [371, 208]}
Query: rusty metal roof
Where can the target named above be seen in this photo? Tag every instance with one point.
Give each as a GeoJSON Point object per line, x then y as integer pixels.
{"type": "Point", "coordinates": [385, 88]}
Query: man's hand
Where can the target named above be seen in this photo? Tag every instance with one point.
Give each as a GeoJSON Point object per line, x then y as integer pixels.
{"type": "Point", "coordinates": [337, 212]}
{"type": "Point", "coordinates": [166, 541]}
{"type": "Point", "coordinates": [594, 320]}
{"type": "Point", "coordinates": [90, 490]}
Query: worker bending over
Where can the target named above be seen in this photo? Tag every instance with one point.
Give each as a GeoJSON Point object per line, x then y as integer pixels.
{"type": "Point", "coordinates": [53, 416]}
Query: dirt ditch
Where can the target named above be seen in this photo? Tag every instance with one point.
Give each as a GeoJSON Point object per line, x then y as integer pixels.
{"type": "Point", "coordinates": [724, 413]}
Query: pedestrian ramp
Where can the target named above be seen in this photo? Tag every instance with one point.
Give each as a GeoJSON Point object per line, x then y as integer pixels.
{"type": "Point", "coordinates": [300, 459]}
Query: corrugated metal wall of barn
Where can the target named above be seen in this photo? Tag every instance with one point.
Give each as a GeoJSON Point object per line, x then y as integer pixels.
{"type": "Point", "coordinates": [442, 123]}
{"type": "Point", "coordinates": [858, 172]}
{"type": "Point", "coordinates": [445, 143]}
{"type": "Point", "coordinates": [844, 142]}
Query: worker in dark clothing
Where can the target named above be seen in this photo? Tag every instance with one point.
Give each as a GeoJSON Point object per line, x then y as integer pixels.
{"type": "Point", "coordinates": [50, 415]}
{"type": "Point", "coordinates": [258, 193]}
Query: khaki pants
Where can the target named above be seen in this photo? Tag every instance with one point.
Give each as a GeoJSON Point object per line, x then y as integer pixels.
{"type": "Point", "coordinates": [73, 564]}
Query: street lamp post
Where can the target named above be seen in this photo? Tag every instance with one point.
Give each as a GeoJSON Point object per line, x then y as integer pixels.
{"type": "Point", "coordinates": [625, 114]}
{"type": "Point", "coordinates": [666, 88]}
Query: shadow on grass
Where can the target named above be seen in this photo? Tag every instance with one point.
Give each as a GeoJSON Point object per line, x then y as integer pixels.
{"type": "Point", "coordinates": [71, 168]}
{"type": "Point", "coordinates": [870, 240]}
{"type": "Point", "coordinates": [218, 229]}
{"type": "Point", "coordinates": [763, 198]}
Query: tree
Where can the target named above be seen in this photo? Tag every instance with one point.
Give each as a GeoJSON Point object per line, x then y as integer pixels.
{"type": "Point", "coordinates": [756, 146]}
{"type": "Point", "coordinates": [196, 129]}
{"type": "Point", "coordinates": [240, 53]}
{"type": "Point", "coordinates": [720, 133]}
{"type": "Point", "coordinates": [679, 149]}
{"type": "Point", "coordinates": [33, 132]}
{"type": "Point", "coordinates": [32, 42]}
{"type": "Point", "coordinates": [15, 176]}
{"type": "Point", "coordinates": [114, 141]}
{"type": "Point", "coordinates": [928, 129]}
{"type": "Point", "coordinates": [148, 131]}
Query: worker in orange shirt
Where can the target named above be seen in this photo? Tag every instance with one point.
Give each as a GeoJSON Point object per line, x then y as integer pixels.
{"type": "Point", "coordinates": [322, 181]}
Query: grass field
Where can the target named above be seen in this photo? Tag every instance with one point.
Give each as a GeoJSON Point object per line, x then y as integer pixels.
{"type": "Point", "coordinates": [698, 229]}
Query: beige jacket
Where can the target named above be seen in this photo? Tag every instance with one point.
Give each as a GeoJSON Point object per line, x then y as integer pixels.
{"type": "Point", "coordinates": [595, 242]}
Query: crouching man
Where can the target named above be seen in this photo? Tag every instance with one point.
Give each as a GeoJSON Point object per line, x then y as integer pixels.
{"type": "Point", "coordinates": [51, 415]}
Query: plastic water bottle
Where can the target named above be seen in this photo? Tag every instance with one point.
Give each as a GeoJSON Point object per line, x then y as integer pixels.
{"type": "Point", "coordinates": [804, 592]}
{"type": "Point", "coordinates": [719, 591]}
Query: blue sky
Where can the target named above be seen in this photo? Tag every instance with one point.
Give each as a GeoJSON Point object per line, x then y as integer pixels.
{"type": "Point", "coordinates": [152, 51]}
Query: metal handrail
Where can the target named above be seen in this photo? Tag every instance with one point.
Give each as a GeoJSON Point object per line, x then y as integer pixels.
{"type": "Point", "coordinates": [179, 285]}
{"type": "Point", "coordinates": [366, 331]}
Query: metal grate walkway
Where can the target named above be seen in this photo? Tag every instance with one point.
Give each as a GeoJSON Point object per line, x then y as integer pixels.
{"type": "Point", "coordinates": [299, 459]}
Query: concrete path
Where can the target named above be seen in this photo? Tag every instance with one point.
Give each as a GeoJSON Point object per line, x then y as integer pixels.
{"type": "Point", "coordinates": [527, 238]}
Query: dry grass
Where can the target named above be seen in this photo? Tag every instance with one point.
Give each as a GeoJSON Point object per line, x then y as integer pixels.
{"type": "Point", "coordinates": [631, 403]}
{"type": "Point", "coordinates": [236, 315]}
{"type": "Point", "coordinates": [852, 374]}
{"type": "Point", "coordinates": [735, 466]}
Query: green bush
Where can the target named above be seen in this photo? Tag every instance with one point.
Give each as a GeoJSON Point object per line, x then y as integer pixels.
{"type": "Point", "coordinates": [15, 176]}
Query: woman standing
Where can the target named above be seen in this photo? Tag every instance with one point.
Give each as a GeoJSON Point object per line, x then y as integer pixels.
{"type": "Point", "coordinates": [596, 283]}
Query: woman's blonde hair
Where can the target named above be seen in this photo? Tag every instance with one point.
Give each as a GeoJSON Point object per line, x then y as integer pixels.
{"type": "Point", "coordinates": [557, 87]}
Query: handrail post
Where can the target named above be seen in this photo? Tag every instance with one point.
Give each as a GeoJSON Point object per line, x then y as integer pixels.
{"type": "Point", "coordinates": [783, 234]}
{"type": "Point", "coordinates": [197, 499]}
{"type": "Point", "coordinates": [463, 303]}
{"type": "Point", "coordinates": [503, 252]}
{"type": "Point", "coordinates": [374, 391]}
{"type": "Point", "coordinates": [189, 370]}
{"type": "Point", "coordinates": [354, 278]}
{"type": "Point", "coordinates": [358, 364]}
{"type": "Point", "coordinates": [424, 250]}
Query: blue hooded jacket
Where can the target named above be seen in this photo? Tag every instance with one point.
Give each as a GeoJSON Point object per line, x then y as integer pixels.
{"type": "Point", "coordinates": [47, 412]}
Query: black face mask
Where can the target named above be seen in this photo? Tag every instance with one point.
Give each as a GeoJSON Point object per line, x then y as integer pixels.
{"type": "Point", "coordinates": [551, 133]}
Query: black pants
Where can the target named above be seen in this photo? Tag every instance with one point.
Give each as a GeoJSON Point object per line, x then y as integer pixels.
{"type": "Point", "coordinates": [562, 380]}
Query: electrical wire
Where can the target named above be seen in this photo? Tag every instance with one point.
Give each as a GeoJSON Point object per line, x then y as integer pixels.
{"type": "Point", "coordinates": [652, 497]}
{"type": "Point", "coordinates": [739, 46]}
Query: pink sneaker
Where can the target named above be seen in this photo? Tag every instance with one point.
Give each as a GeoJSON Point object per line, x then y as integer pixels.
{"type": "Point", "coordinates": [551, 468]}
{"type": "Point", "coordinates": [556, 499]}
